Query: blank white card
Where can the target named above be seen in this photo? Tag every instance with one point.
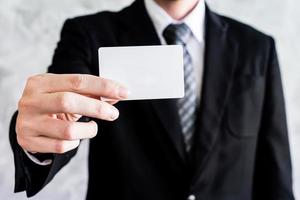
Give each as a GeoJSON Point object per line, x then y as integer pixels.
{"type": "Point", "coordinates": [148, 72]}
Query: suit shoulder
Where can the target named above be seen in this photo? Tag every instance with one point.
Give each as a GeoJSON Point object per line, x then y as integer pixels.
{"type": "Point", "coordinates": [246, 34]}
{"type": "Point", "coordinates": [103, 18]}
{"type": "Point", "coordinates": [254, 45]}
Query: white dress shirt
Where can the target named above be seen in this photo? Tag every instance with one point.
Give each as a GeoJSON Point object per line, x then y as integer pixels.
{"type": "Point", "coordinates": [36, 161]}
{"type": "Point", "coordinates": [195, 20]}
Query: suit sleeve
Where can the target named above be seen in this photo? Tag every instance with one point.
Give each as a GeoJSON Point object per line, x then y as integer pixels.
{"type": "Point", "coordinates": [71, 56]}
{"type": "Point", "coordinates": [273, 171]}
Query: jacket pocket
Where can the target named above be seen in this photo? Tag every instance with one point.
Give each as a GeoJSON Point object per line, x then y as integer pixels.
{"type": "Point", "coordinates": [244, 108]}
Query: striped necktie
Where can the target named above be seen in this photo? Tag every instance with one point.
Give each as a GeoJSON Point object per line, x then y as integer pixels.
{"type": "Point", "coordinates": [180, 34]}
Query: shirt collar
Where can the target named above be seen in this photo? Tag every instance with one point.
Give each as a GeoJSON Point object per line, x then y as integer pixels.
{"type": "Point", "coordinates": [194, 20]}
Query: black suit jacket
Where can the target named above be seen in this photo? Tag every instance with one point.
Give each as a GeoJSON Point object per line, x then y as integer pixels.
{"type": "Point", "coordinates": [241, 149]}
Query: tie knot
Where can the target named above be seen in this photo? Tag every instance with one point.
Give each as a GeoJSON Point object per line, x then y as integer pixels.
{"type": "Point", "coordinates": [177, 34]}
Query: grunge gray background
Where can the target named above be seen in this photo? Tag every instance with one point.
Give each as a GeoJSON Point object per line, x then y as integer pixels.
{"type": "Point", "coordinates": [29, 31]}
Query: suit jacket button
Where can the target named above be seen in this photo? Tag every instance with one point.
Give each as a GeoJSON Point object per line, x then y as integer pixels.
{"type": "Point", "coordinates": [192, 197]}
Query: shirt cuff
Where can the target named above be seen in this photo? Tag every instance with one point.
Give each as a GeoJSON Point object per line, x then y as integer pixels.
{"type": "Point", "coordinates": [37, 161]}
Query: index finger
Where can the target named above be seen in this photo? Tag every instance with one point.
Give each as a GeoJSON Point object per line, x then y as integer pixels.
{"type": "Point", "coordinates": [82, 84]}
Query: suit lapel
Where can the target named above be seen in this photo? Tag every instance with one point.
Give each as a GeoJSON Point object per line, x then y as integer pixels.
{"type": "Point", "coordinates": [140, 31]}
{"type": "Point", "coordinates": [220, 61]}
{"type": "Point", "coordinates": [167, 112]}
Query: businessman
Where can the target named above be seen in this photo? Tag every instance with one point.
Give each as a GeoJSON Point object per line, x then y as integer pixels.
{"type": "Point", "coordinates": [226, 139]}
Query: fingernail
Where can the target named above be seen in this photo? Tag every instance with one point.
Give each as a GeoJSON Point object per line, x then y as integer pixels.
{"type": "Point", "coordinates": [123, 92]}
{"type": "Point", "coordinates": [114, 113]}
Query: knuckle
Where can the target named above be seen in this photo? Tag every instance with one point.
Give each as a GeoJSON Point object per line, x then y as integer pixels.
{"type": "Point", "coordinates": [68, 133]}
{"type": "Point", "coordinates": [22, 142]}
{"type": "Point", "coordinates": [100, 109]}
{"type": "Point", "coordinates": [30, 80]}
{"type": "Point", "coordinates": [18, 128]}
{"type": "Point", "coordinates": [105, 86]}
{"type": "Point", "coordinates": [21, 126]}
{"type": "Point", "coordinates": [23, 103]}
{"type": "Point", "coordinates": [33, 81]}
{"type": "Point", "coordinates": [110, 87]}
{"type": "Point", "coordinates": [26, 103]}
{"type": "Point", "coordinates": [65, 101]}
{"type": "Point", "coordinates": [78, 82]}
{"type": "Point", "coordinates": [60, 147]}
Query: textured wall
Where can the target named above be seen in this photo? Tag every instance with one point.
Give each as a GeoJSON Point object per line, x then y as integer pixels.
{"type": "Point", "coordinates": [28, 34]}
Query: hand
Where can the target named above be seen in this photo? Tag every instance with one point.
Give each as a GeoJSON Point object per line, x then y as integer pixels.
{"type": "Point", "coordinates": [51, 105]}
